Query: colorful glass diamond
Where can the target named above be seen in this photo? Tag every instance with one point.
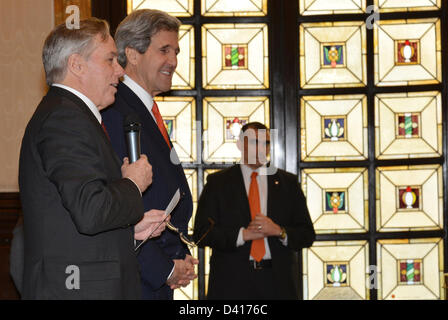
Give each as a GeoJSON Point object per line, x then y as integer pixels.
{"type": "Point", "coordinates": [408, 125]}
{"type": "Point", "coordinates": [335, 201]}
{"type": "Point", "coordinates": [409, 198]}
{"type": "Point", "coordinates": [410, 271]}
{"type": "Point", "coordinates": [336, 274]}
{"type": "Point", "coordinates": [407, 52]}
{"type": "Point", "coordinates": [235, 56]}
{"type": "Point", "coordinates": [233, 127]}
{"type": "Point", "coordinates": [333, 55]}
{"type": "Point", "coordinates": [334, 128]}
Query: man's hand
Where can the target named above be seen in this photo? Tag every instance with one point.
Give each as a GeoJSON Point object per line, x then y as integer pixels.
{"type": "Point", "coordinates": [150, 222]}
{"type": "Point", "coordinates": [139, 172]}
{"type": "Point", "coordinates": [263, 226]}
{"type": "Point", "coordinates": [183, 272]}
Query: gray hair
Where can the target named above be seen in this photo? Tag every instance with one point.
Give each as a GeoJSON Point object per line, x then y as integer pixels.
{"type": "Point", "coordinates": [137, 29]}
{"type": "Point", "coordinates": [62, 42]}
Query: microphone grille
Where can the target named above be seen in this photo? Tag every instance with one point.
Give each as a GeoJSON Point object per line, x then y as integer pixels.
{"type": "Point", "coordinates": [132, 122]}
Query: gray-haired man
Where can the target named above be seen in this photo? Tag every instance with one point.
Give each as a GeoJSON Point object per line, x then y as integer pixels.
{"type": "Point", "coordinates": [147, 43]}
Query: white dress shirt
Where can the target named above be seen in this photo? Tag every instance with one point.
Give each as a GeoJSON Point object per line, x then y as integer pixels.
{"type": "Point", "coordinates": [143, 95]}
{"type": "Point", "coordinates": [262, 180]}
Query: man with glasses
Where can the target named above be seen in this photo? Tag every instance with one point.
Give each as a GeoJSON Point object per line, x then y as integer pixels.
{"type": "Point", "coordinates": [260, 221]}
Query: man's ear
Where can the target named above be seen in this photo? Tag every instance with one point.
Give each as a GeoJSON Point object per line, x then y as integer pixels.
{"type": "Point", "coordinates": [76, 64]}
{"type": "Point", "coordinates": [132, 56]}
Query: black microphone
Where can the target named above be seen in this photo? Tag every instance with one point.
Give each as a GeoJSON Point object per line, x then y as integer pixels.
{"type": "Point", "coordinates": [132, 126]}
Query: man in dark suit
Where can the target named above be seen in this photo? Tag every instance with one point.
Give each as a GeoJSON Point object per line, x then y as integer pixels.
{"type": "Point", "coordinates": [79, 207]}
{"type": "Point", "coordinates": [260, 222]}
{"type": "Point", "coordinates": [147, 43]}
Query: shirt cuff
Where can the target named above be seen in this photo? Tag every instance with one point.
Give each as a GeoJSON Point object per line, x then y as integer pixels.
{"type": "Point", "coordinates": [239, 241]}
{"type": "Point", "coordinates": [172, 270]}
{"type": "Point", "coordinates": [284, 241]}
{"type": "Point", "coordinates": [136, 186]}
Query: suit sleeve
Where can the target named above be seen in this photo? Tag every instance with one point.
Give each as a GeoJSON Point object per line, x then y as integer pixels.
{"type": "Point", "coordinates": [208, 220]}
{"type": "Point", "coordinates": [74, 162]}
{"type": "Point", "coordinates": [301, 232]}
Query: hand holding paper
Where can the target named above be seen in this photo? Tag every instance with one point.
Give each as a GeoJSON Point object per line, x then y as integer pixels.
{"type": "Point", "coordinates": [151, 225]}
{"type": "Point", "coordinates": [145, 231]}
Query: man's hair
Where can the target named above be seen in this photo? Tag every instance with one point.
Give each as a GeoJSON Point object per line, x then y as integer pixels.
{"type": "Point", "coordinates": [137, 29]}
{"type": "Point", "coordinates": [254, 126]}
{"type": "Point", "coordinates": [62, 42]}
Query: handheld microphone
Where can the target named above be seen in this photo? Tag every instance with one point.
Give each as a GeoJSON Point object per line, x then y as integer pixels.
{"type": "Point", "coordinates": [132, 126]}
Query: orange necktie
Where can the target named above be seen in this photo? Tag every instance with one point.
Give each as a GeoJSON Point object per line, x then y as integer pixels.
{"type": "Point", "coordinates": [105, 130]}
{"type": "Point", "coordinates": [160, 123]}
{"type": "Point", "coordinates": [257, 249]}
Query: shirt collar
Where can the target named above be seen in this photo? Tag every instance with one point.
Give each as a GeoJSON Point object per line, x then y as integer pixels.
{"type": "Point", "coordinates": [144, 96]}
{"type": "Point", "coordinates": [92, 107]}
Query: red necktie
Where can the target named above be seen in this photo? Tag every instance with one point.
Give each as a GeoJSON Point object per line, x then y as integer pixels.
{"type": "Point", "coordinates": [105, 130]}
{"type": "Point", "coordinates": [257, 249]}
{"type": "Point", "coordinates": [160, 123]}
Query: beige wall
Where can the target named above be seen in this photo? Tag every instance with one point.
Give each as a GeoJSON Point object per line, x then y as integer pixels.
{"type": "Point", "coordinates": [24, 25]}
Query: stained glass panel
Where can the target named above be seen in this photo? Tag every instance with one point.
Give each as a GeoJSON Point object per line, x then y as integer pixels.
{"type": "Point", "coordinates": [408, 5]}
{"type": "Point", "coordinates": [332, 54]}
{"type": "Point", "coordinates": [407, 52]}
{"type": "Point", "coordinates": [333, 128]}
{"type": "Point", "coordinates": [337, 199]}
{"type": "Point", "coordinates": [180, 121]}
{"type": "Point", "coordinates": [184, 77]}
{"type": "Point", "coordinates": [408, 125]}
{"type": "Point", "coordinates": [313, 7]}
{"type": "Point", "coordinates": [410, 269]}
{"type": "Point", "coordinates": [192, 179]}
{"type": "Point", "coordinates": [409, 198]}
{"type": "Point", "coordinates": [178, 8]}
{"type": "Point", "coordinates": [234, 8]}
{"type": "Point", "coordinates": [235, 56]}
{"type": "Point", "coordinates": [223, 119]}
{"type": "Point", "coordinates": [336, 270]}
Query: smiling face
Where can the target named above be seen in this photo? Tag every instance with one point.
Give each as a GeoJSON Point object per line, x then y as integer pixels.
{"type": "Point", "coordinates": [155, 68]}
{"type": "Point", "coordinates": [101, 73]}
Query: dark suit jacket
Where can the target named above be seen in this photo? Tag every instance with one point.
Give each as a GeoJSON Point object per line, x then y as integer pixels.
{"type": "Point", "coordinates": [78, 211]}
{"type": "Point", "coordinates": [225, 200]}
{"type": "Point", "coordinates": [156, 255]}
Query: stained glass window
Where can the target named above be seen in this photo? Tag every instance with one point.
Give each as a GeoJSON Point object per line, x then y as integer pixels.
{"type": "Point", "coordinates": [370, 149]}
{"type": "Point", "coordinates": [234, 8]}
{"type": "Point", "coordinates": [409, 198]}
{"type": "Point", "coordinates": [408, 5]}
{"type": "Point", "coordinates": [337, 128]}
{"type": "Point", "coordinates": [337, 199]}
{"type": "Point", "coordinates": [180, 121]}
{"type": "Point", "coordinates": [314, 7]}
{"type": "Point", "coordinates": [223, 119]}
{"type": "Point", "coordinates": [333, 54]}
{"type": "Point", "coordinates": [407, 52]}
{"type": "Point", "coordinates": [410, 269]}
{"type": "Point", "coordinates": [336, 270]}
{"type": "Point", "coordinates": [235, 56]}
{"type": "Point", "coordinates": [408, 125]}
{"type": "Point", "coordinates": [366, 134]}
{"type": "Point", "coordinates": [178, 8]}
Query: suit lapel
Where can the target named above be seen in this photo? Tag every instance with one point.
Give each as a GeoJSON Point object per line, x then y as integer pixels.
{"type": "Point", "coordinates": [148, 122]}
{"type": "Point", "coordinates": [273, 194]}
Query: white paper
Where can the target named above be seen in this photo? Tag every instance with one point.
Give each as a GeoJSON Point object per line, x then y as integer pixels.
{"type": "Point", "coordinates": [173, 203]}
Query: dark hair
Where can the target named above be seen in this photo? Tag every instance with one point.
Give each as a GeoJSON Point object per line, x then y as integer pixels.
{"type": "Point", "coordinates": [254, 125]}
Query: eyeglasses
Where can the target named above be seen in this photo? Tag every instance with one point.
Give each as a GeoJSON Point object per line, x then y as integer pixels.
{"type": "Point", "coordinates": [186, 239]}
